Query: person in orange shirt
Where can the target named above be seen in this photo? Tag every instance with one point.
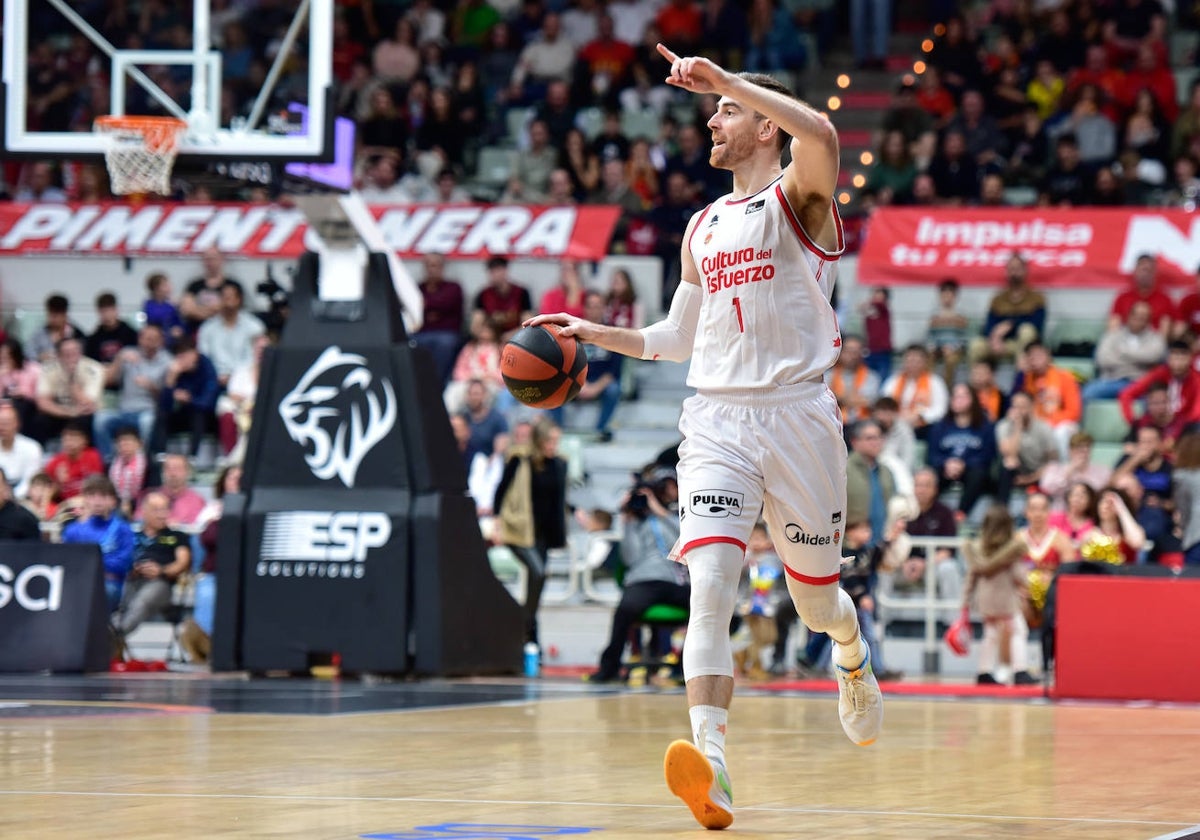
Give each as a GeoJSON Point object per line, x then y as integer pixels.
{"type": "Point", "coordinates": [1055, 393]}
{"type": "Point", "coordinates": [853, 383]}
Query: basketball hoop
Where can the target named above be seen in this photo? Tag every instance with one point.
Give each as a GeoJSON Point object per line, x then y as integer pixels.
{"type": "Point", "coordinates": [140, 152]}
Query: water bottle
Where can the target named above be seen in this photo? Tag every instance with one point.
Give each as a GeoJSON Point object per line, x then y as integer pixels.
{"type": "Point", "coordinates": [533, 665]}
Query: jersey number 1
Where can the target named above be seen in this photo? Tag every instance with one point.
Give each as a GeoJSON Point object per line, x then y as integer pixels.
{"type": "Point", "coordinates": [737, 304]}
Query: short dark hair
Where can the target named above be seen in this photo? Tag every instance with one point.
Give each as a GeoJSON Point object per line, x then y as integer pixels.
{"type": "Point", "coordinates": [236, 286]}
{"type": "Point", "coordinates": [154, 281]}
{"type": "Point", "coordinates": [185, 344]}
{"type": "Point", "coordinates": [98, 484]}
{"type": "Point", "coordinates": [127, 431]}
{"type": "Point", "coordinates": [78, 427]}
{"type": "Point", "coordinates": [886, 404]}
{"type": "Point", "coordinates": [58, 304]}
{"type": "Point", "coordinates": [948, 283]}
{"type": "Point", "coordinates": [770, 83]}
{"type": "Point", "coordinates": [1179, 345]}
{"type": "Point", "coordinates": [859, 428]}
{"type": "Point", "coordinates": [106, 300]}
{"type": "Point", "coordinates": [1146, 255]}
{"type": "Point", "coordinates": [1068, 139]}
{"type": "Point", "coordinates": [497, 262]}
{"type": "Point", "coordinates": [16, 351]}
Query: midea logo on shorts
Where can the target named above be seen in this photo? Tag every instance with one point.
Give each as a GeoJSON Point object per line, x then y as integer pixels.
{"type": "Point", "coordinates": [793, 533]}
{"type": "Point", "coordinates": [340, 409]}
{"type": "Point", "coordinates": [716, 504]}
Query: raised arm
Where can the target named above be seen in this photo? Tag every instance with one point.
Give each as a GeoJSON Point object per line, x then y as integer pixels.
{"type": "Point", "coordinates": [811, 178]}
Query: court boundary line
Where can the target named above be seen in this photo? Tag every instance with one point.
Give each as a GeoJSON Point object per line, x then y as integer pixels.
{"type": "Point", "coordinates": [1183, 834]}
{"type": "Point", "coordinates": [569, 804]}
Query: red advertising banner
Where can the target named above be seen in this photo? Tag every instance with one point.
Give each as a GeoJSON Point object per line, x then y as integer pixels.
{"type": "Point", "coordinates": [460, 231]}
{"type": "Point", "coordinates": [1080, 248]}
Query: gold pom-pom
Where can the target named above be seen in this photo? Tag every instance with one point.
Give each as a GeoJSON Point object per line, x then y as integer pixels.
{"type": "Point", "coordinates": [1102, 549]}
{"type": "Point", "coordinates": [1039, 584]}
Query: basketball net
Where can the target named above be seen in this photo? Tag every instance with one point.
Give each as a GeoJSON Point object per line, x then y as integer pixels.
{"type": "Point", "coordinates": [140, 152]}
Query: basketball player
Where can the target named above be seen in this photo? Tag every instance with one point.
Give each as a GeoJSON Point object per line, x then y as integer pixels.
{"type": "Point", "coordinates": [762, 429]}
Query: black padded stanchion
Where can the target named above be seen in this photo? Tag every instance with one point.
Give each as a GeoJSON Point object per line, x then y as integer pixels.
{"type": "Point", "coordinates": [355, 535]}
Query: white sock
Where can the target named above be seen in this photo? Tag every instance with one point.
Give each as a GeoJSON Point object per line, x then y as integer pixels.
{"type": "Point", "coordinates": [850, 657]}
{"type": "Point", "coordinates": [708, 730]}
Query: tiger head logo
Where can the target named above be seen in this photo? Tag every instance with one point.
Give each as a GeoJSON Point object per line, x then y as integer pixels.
{"type": "Point", "coordinates": [340, 409]}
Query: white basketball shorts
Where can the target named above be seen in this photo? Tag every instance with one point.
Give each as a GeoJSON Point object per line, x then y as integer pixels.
{"type": "Point", "coordinates": [778, 451]}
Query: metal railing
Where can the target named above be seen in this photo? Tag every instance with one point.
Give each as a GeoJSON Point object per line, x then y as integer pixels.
{"type": "Point", "coordinates": [928, 602]}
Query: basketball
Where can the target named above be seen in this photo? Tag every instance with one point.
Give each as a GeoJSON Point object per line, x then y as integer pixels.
{"type": "Point", "coordinates": [542, 368]}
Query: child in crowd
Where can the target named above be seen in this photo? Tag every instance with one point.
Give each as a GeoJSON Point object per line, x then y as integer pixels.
{"type": "Point", "coordinates": [159, 309]}
{"type": "Point", "coordinates": [861, 563]}
{"type": "Point", "coordinates": [103, 526]}
{"type": "Point", "coordinates": [763, 588]}
{"type": "Point", "coordinates": [877, 324]}
{"type": "Point", "coordinates": [603, 543]}
{"type": "Point", "coordinates": [478, 359]}
{"type": "Point", "coordinates": [995, 578]}
{"type": "Point", "coordinates": [75, 462]}
{"type": "Point", "coordinates": [42, 497]}
{"type": "Point", "coordinates": [948, 331]}
{"type": "Point", "coordinates": [128, 469]}
{"type": "Point", "coordinates": [483, 477]}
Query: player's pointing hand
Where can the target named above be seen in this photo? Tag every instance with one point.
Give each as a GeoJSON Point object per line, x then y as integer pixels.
{"type": "Point", "coordinates": [693, 73]}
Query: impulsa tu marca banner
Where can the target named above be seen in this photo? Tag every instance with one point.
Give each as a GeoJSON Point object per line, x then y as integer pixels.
{"type": "Point", "coordinates": [1077, 247]}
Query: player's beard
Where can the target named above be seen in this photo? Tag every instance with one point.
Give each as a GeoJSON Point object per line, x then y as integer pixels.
{"type": "Point", "coordinates": [734, 150]}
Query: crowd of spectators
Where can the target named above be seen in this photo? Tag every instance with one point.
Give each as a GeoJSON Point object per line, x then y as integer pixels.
{"type": "Point", "coordinates": [465, 339]}
{"type": "Point", "coordinates": [948, 445]}
{"type": "Point", "coordinates": [1071, 103]}
{"type": "Point", "coordinates": [429, 84]}
{"type": "Point", "coordinates": [130, 406]}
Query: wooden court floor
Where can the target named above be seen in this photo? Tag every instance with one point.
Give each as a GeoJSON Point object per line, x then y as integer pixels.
{"type": "Point", "coordinates": [573, 757]}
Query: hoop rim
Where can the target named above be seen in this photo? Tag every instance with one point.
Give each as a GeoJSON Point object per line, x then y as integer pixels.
{"type": "Point", "coordinates": [135, 122]}
{"type": "Point", "coordinates": [158, 135]}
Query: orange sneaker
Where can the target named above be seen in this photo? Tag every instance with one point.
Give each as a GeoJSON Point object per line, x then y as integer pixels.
{"type": "Point", "coordinates": [701, 783]}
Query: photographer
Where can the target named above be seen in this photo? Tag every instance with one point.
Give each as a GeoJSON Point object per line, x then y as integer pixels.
{"type": "Point", "coordinates": [651, 576]}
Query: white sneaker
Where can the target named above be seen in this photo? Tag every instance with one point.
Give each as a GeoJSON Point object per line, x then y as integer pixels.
{"type": "Point", "coordinates": [860, 702]}
{"type": "Point", "coordinates": [701, 783]}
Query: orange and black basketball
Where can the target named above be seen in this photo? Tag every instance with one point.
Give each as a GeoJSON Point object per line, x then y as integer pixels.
{"type": "Point", "coordinates": [542, 368]}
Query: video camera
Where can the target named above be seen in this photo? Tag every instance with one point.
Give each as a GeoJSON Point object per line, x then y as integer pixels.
{"type": "Point", "coordinates": [277, 297]}
{"type": "Point", "coordinates": [654, 480]}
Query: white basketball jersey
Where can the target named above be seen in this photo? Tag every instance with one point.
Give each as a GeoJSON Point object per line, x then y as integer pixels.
{"type": "Point", "coordinates": [765, 316]}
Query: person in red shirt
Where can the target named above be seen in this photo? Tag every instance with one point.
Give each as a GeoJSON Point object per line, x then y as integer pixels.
{"type": "Point", "coordinates": [934, 98]}
{"type": "Point", "coordinates": [1152, 73]}
{"type": "Point", "coordinates": [680, 22]}
{"type": "Point", "coordinates": [1157, 414]}
{"type": "Point", "coordinates": [502, 302]}
{"type": "Point", "coordinates": [1110, 80]}
{"type": "Point", "coordinates": [75, 462]}
{"type": "Point", "coordinates": [1181, 379]}
{"type": "Point", "coordinates": [568, 295]}
{"type": "Point", "coordinates": [1145, 288]}
{"type": "Point", "coordinates": [1188, 311]}
{"type": "Point", "coordinates": [441, 331]}
{"type": "Point", "coordinates": [608, 61]}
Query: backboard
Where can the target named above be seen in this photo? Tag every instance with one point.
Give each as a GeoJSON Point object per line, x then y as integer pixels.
{"type": "Point", "coordinates": [230, 76]}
